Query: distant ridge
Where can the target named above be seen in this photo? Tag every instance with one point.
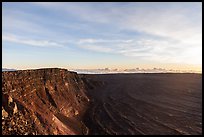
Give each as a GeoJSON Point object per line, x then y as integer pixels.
{"type": "Point", "coordinates": [6, 69]}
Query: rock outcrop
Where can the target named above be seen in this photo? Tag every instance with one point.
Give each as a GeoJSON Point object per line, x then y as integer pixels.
{"type": "Point", "coordinates": [43, 101]}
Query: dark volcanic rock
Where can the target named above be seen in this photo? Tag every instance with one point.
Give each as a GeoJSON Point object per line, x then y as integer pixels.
{"type": "Point", "coordinates": [43, 101]}
{"type": "Point", "coordinates": [144, 104]}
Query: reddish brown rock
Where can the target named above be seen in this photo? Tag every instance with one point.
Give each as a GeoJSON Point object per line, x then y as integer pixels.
{"type": "Point", "coordinates": [43, 101]}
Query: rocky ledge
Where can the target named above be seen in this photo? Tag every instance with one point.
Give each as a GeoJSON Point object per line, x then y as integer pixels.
{"type": "Point", "coordinates": [43, 101]}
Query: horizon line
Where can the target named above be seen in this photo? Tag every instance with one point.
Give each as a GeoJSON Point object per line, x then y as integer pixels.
{"type": "Point", "coordinates": [114, 70]}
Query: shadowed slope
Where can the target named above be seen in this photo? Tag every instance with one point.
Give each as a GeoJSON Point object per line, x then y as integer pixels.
{"type": "Point", "coordinates": [151, 104]}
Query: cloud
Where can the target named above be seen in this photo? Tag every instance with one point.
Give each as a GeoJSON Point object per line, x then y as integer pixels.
{"type": "Point", "coordinates": [160, 19]}
{"type": "Point", "coordinates": [94, 41]}
{"type": "Point", "coordinates": [175, 21]}
{"type": "Point", "coordinates": [163, 19]}
{"type": "Point", "coordinates": [146, 49]}
{"type": "Point", "coordinates": [160, 32]}
{"type": "Point", "coordinates": [30, 42]}
{"type": "Point", "coordinates": [15, 20]}
{"type": "Point", "coordinates": [97, 48]}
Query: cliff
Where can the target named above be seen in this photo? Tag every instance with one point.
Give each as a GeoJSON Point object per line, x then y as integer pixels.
{"type": "Point", "coordinates": [43, 101]}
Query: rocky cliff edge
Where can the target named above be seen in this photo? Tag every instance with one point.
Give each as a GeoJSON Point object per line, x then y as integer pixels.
{"type": "Point", "coordinates": [43, 101]}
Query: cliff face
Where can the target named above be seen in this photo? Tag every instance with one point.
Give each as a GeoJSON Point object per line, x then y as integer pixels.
{"type": "Point", "coordinates": [43, 101]}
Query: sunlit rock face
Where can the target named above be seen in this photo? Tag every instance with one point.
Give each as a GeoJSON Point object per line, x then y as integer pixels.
{"type": "Point", "coordinates": [43, 101]}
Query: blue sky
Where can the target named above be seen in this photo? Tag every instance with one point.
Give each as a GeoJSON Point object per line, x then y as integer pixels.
{"type": "Point", "coordinates": [100, 35]}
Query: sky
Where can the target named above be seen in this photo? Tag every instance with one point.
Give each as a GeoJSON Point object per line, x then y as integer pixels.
{"type": "Point", "coordinates": [102, 35]}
